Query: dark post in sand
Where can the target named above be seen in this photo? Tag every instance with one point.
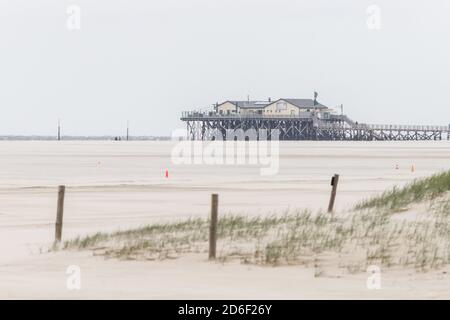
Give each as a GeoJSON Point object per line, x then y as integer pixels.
{"type": "Point", "coordinates": [334, 184]}
{"type": "Point", "coordinates": [213, 226]}
{"type": "Point", "coordinates": [59, 213]}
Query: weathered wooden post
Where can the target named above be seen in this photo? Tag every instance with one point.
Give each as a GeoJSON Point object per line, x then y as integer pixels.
{"type": "Point", "coordinates": [334, 184]}
{"type": "Point", "coordinates": [213, 226]}
{"type": "Point", "coordinates": [59, 213]}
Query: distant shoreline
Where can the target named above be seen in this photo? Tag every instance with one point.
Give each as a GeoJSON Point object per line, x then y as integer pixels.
{"type": "Point", "coordinates": [82, 138]}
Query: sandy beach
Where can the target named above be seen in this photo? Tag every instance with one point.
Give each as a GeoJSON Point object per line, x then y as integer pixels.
{"type": "Point", "coordinates": [119, 185]}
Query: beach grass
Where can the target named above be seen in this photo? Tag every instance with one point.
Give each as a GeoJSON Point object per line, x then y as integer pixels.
{"type": "Point", "coordinates": [349, 241]}
{"type": "Point", "coordinates": [418, 190]}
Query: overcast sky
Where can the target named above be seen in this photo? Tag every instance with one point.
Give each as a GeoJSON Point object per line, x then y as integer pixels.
{"type": "Point", "coordinates": [148, 60]}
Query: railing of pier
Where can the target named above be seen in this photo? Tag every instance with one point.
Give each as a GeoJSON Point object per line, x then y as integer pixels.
{"type": "Point", "coordinates": [363, 126]}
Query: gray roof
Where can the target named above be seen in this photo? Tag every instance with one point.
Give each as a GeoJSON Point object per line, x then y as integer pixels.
{"type": "Point", "coordinates": [305, 103]}
{"type": "Point", "coordinates": [301, 103]}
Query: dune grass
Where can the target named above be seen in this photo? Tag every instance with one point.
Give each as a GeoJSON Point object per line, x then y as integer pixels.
{"type": "Point", "coordinates": [419, 190]}
{"type": "Point", "coordinates": [350, 242]}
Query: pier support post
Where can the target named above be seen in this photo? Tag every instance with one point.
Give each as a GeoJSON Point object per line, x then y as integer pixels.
{"type": "Point", "coordinates": [59, 213]}
{"type": "Point", "coordinates": [334, 184]}
{"type": "Point", "coordinates": [213, 226]}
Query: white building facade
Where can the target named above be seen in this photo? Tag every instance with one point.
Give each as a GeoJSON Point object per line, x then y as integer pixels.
{"type": "Point", "coordinates": [280, 107]}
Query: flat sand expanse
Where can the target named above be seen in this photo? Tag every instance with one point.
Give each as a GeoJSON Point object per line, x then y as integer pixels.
{"type": "Point", "coordinates": [112, 185]}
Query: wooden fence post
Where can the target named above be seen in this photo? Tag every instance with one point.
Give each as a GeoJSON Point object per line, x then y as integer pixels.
{"type": "Point", "coordinates": [334, 183]}
{"type": "Point", "coordinates": [59, 213]}
{"type": "Point", "coordinates": [213, 226]}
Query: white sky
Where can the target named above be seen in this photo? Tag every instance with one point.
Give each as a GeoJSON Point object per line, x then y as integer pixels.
{"type": "Point", "coordinates": [146, 61]}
